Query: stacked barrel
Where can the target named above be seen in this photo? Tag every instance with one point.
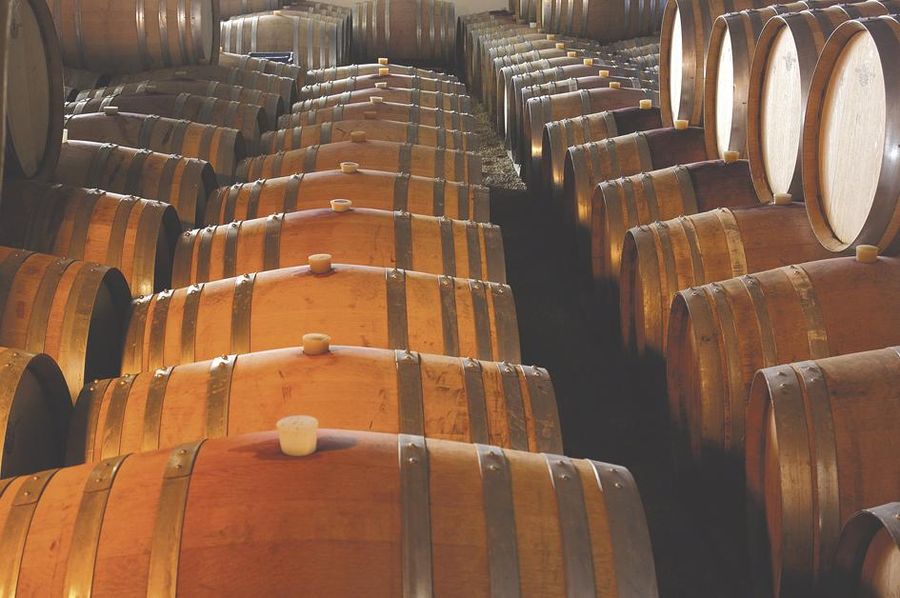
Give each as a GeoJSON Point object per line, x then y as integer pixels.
{"type": "Point", "coordinates": [219, 243]}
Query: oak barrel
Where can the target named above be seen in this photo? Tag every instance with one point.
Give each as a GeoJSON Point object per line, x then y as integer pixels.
{"type": "Point", "coordinates": [356, 236]}
{"type": "Point", "coordinates": [607, 21]}
{"type": "Point", "coordinates": [421, 160]}
{"type": "Point", "coordinates": [383, 130]}
{"type": "Point", "coordinates": [134, 235]}
{"type": "Point", "coordinates": [271, 67]}
{"type": "Point", "coordinates": [366, 188]}
{"type": "Point", "coordinates": [867, 557]}
{"type": "Point", "coordinates": [315, 40]}
{"type": "Point", "coordinates": [233, 8]}
{"type": "Point", "coordinates": [851, 113]}
{"type": "Point", "coordinates": [821, 445]}
{"type": "Point", "coordinates": [78, 80]}
{"type": "Point", "coordinates": [409, 515]}
{"type": "Point", "coordinates": [379, 110]}
{"type": "Point", "coordinates": [35, 408]}
{"type": "Point", "coordinates": [335, 73]}
{"type": "Point", "coordinates": [662, 258]}
{"type": "Point", "coordinates": [73, 311]}
{"type": "Point", "coordinates": [136, 35]}
{"type": "Point", "coordinates": [422, 31]}
{"type": "Point", "coordinates": [400, 95]}
{"type": "Point", "coordinates": [221, 147]}
{"type": "Point", "coordinates": [354, 388]}
{"type": "Point", "coordinates": [184, 183]}
{"type": "Point", "coordinates": [394, 80]}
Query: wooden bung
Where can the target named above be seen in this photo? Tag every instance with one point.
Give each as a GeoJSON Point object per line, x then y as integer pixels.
{"type": "Point", "coordinates": [297, 435]}
{"type": "Point", "coordinates": [349, 167]}
{"type": "Point", "coordinates": [866, 254]}
{"type": "Point", "coordinates": [316, 343]}
{"type": "Point", "coordinates": [384, 72]}
{"type": "Point", "coordinates": [560, 46]}
{"type": "Point", "coordinates": [603, 73]}
{"type": "Point", "coordinates": [357, 136]}
{"type": "Point", "coordinates": [381, 85]}
{"type": "Point", "coordinates": [383, 61]}
{"type": "Point", "coordinates": [341, 205]}
{"type": "Point", "coordinates": [320, 263]}
{"type": "Point", "coordinates": [615, 85]}
{"type": "Point", "coordinates": [731, 156]}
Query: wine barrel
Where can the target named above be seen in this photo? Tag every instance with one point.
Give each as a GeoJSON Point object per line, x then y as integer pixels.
{"type": "Point", "coordinates": [686, 28]}
{"type": "Point", "coordinates": [783, 64]}
{"type": "Point", "coordinates": [856, 201]}
{"type": "Point", "coordinates": [283, 86]}
{"type": "Point", "coordinates": [821, 442]}
{"type": "Point", "coordinates": [249, 119]}
{"type": "Point", "coordinates": [542, 110]}
{"type": "Point", "coordinates": [73, 311]}
{"type": "Point", "coordinates": [336, 73]}
{"type": "Point", "coordinates": [420, 160]}
{"type": "Point", "coordinates": [393, 80]}
{"type": "Point", "coordinates": [666, 194]}
{"type": "Point", "coordinates": [589, 164]}
{"type": "Point", "coordinates": [314, 40]}
{"type": "Point", "coordinates": [134, 235]}
{"type": "Point", "coordinates": [609, 21]}
{"type": "Point", "coordinates": [78, 80]}
{"type": "Point", "coordinates": [560, 135]}
{"type": "Point", "coordinates": [378, 110]}
{"type": "Point", "coordinates": [271, 67]}
{"type": "Point", "coordinates": [367, 188]}
{"type": "Point", "coordinates": [184, 183]}
{"type": "Point", "coordinates": [271, 103]}
{"type": "Point", "coordinates": [219, 146]}
{"type": "Point", "coordinates": [33, 107]}
{"type": "Point", "coordinates": [356, 236]}
{"type": "Point", "coordinates": [358, 305]}
{"type": "Point", "coordinates": [383, 130]}
{"type": "Point", "coordinates": [867, 554]}
{"type": "Point", "coordinates": [354, 388]}
{"type": "Point", "coordinates": [539, 51]}
{"type": "Point", "coordinates": [428, 99]}
{"type": "Point", "coordinates": [233, 8]}
{"type": "Point", "coordinates": [405, 30]}
{"type": "Point", "coordinates": [126, 37]}
{"type": "Point", "coordinates": [36, 408]}
{"type": "Point", "coordinates": [783, 315]}
{"type": "Point", "coordinates": [439, 515]}
{"type": "Point", "coordinates": [523, 51]}
{"type": "Point", "coordinates": [662, 258]}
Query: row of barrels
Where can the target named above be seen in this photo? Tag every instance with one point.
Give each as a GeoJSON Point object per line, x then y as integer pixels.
{"type": "Point", "coordinates": [602, 20]}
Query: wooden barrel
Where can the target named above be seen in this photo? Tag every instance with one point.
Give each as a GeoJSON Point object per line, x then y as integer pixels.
{"type": "Point", "coordinates": [490, 37]}
{"type": "Point", "coordinates": [428, 99]}
{"type": "Point", "coordinates": [315, 41]}
{"type": "Point", "coordinates": [782, 68]}
{"type": "Point", "coordinates": [821, 442]}
{"type": "Point", "coordinates": [589, 164]}
{"type": "Point", "coordinates": [271, 103]}
{"type": "Point", "coordinates": [612, 20]}
{"type": "Point", "coordinates": [684, 37]}
{"type": "Point", "coordinates": [357, 236]}
{"type": "Point", "coordinates": [78, 80]}
{"type": "Point", "coordinates": [33, 108]}
{"type": "Point", "coordinates": [560, 135]}
{"type": "Point", "coordinates": [36, 408]}
{"type": "Point", "coordinates": [408, 113]}
{"type": "Point", "coordinates": [406, 30]}
{"type": "Point", "coordinates": [660, 259]}
{"type": "Point", "coordinates": [219, 146]}
{"type": "Point", "coordinates": [514, 53]}
{"type": "Point", "coordinates": [251, 63]}
{"type": "Point", "coordinates": [73, 311]}
{"type": "Point", "coordinates": [354, 388]}
{"type": "Point", "coordinates": [394, 81]}
{"type": "Point", "coordinates": [249, 119]}
{"type": "Point", "coordinates": [184, 183]}
{"type": "Point", "coordinates": [383, 130]}
{"type": "Point", "coordinates": [136, 36]}
{"type": "Point", "coordinates": [283, 86]}
{"type": "Point", "coordinates": [134, 235]}
{"type": "Point", "coordinates": [395, 503]}
{"type": "Point", "coordinates": [233, 8]}
{"type": "Point", "coordinates": [542, 110]}
{"type": "Point", "coordinates": [367, 188]}
{"type": "Point", "coordinates": [788, 314]}
{"type": "Point", "coordinates": [666, 194]}
{"type": "Point", "coordinates": [420, 160]}
{"type": "Point", "coordinates": [336, 73]}
{"type": "Point", "coordinates": [867, 554]}
{"type": "Point", "coordinates": [358, 305]}
{"type": "Point", "coordinates": [856, 201]}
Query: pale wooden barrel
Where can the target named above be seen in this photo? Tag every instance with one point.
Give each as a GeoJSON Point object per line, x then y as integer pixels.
{"type": "Point", "coordinates": [821, 445]}
{"type": "Point", "coordinates": [366, 188]}
{"type": "Point", "coordinates": [347, 387]}
{"type": "Point", "coordinates": [662, 258]}
{"type": "Point", "coordinates": [867, 557]}
{"type": "Point", "coordinates": [135, 235]}
{"type": "Point", "coordinates": [357, 236]}
{"type": "Point", "coordinates": [394, 80]}
{"type": "Point", "coordinates": [411, 113]}
{"type": "Point", "coordinates": [221, 147]}
{"type": "Point", "coordinates": [335, 73]}
{"type": "Point", "coordinates": [405, 30]}
{"type": "Point", "coordinates": [184, 183]}
{"type": "Point", "coordinates": [428, 99]}
{"type": "Point", "coordinates": [137, 35]}
{"type": "Point", "coordinates": [316, 41]}
{"type": "Point", "coordinates": [250, 63]}
{"type": "Point", "coordinates": [73, 311]}
{"type": "Point", "coordinates": [383, 130]}
{"type": "Point", "coordinates": [358, 305]}
{"type": "Point", "coordinates": [420, 160]}
{"type": "Point", "coordinates": [849, 159]}
{"type": "Point", "coordinates": [515, 53]}
{"type": "Point", "coordinates": [786, 54]}
{"type": "Point", "coordinates": [233, 8]}
{"type": "Point", "coordinates": [411, 516]}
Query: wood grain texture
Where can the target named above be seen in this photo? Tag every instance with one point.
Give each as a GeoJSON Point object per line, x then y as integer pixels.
{"type": "Point", "coordinates": [405, 30]}
{"type": "Point", "coordinates": [394, 80]}
{"type": "Point", "coordinates": [400, 95]}
{"type": "Point", "coordinates": [408, 113]}
{"type": "Point", "coordinates": [336, 73]}
{"type": "Point", "coordinates": [316, 40]}
{"type": "Point", "coordinates": [250, 63]}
